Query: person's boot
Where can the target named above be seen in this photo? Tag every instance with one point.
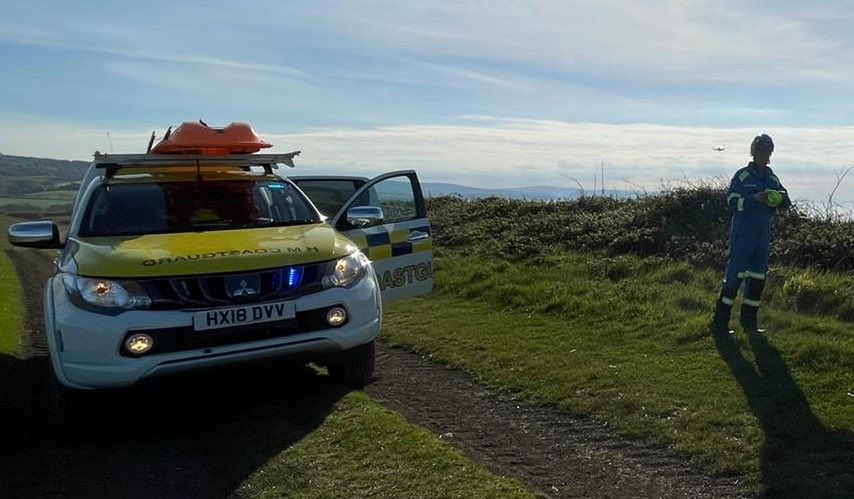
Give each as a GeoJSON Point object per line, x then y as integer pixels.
{"type": "Point", "coordinates": [748, 318]}
{"type": "Point", "coordinates": [723, 307]}
{"type": "Point", "coordinates": [750, 304]}
{"type": "Point", "coordinates": [720, 321]}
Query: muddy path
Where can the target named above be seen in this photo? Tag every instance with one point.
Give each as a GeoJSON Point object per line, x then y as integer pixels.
{"type": "Point", "coordinates": [201, 435]}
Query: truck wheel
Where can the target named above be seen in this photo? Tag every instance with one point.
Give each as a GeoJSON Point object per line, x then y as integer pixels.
{"type": "Point", "coordinates": [354, 367]}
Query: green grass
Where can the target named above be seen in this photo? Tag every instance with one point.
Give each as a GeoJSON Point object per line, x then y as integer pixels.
{"type": "Point", "coordinates": [11, 315]}
{"type": "Point", "coordinates": [625, 339]}
{"type": "Point", "coordinates": [17, 205]}
{"type": "Point", "coordinates": [41, 202]}
{"type": "Point", "coordinates": [66, 196]}
{"type": "Point", "coordinates": [365, 450]}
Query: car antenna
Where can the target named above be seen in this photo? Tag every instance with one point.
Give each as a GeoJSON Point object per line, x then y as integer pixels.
{"type": "Point", "coordinates": [150, 143]}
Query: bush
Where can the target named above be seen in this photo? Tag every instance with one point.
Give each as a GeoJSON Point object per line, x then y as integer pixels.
{"type": "Point", "coordinates": [683, 224]}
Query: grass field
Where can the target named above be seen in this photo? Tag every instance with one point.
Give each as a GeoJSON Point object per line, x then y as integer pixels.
{"type": "Point", "coordinates": [625, 340]}
{"type": "Point", "coordinates": [36, 203]}
{"type": "Point", "coordinates": [365, 450]}
{"type": "Point", "coordinates": [11, 316]}
{"type": "Point", "coordinates": [63, 196]}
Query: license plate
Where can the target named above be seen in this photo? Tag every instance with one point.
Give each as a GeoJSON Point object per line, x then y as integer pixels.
{"type": "Point", "coordinates": [243, 315]}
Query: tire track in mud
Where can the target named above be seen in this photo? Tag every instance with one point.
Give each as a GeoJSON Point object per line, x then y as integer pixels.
{"type": "Point", "coordinates": [552, 452]}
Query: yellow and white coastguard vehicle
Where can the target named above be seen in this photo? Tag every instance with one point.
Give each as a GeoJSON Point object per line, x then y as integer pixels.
{"type": "Point", "coordinates": [175, 262]}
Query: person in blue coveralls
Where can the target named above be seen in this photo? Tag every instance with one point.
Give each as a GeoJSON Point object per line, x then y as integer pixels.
{"type": "Point", "coordinates": [754, 195]}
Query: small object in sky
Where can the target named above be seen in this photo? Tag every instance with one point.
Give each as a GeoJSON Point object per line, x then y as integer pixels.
{"type": "Point", "coordinates": [719, 148]}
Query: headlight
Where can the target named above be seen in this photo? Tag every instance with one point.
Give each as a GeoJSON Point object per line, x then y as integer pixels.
{"type": "Point", "coordinates": [347, 270]}
{"type": "Point", "coordinates": [105, 294]}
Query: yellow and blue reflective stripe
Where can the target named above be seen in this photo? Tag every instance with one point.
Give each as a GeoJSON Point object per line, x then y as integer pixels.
{"type": "Point", "coordinates": [383, 245]}
{"type": "Point", "coordinates": [739, 197]}
{"type": "Point", "coordinates": [751, 274]}
{"type": "Point", "coordinates": [379, 246]}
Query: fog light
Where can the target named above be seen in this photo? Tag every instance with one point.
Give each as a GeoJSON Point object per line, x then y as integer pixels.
{"type": "Point", "coordinates": [138, 344]}
{"type": "Point", "coordinates": [336, 316]}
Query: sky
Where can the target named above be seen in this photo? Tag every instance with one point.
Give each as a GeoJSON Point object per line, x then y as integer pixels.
{"type": "Point", "coordinates": [482, 93]}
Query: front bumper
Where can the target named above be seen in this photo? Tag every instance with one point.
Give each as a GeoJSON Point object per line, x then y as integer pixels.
{"type": "Point", "coordinates": [86, 347]}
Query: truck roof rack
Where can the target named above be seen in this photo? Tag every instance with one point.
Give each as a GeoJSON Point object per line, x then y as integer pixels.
{"type": "Point", "coordinates": [115, 162]}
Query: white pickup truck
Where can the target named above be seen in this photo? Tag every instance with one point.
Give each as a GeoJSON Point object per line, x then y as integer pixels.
{"type": "Point", "coordinates": [175, 262]}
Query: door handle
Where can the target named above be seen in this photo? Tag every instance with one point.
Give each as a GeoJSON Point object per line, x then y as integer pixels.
{"type": "Point", "coordinates": [416, 236]}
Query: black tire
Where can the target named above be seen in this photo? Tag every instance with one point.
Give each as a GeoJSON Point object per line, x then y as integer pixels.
{"type": "Point", "coordinates": [354, 367]}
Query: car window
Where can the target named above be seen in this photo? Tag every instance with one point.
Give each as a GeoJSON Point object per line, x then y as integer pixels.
{"type": "Point", "coordinates": [147, 208]}
{"type": "Point", "coordinates": [329, 195]}
{"type": "Point", "coordinates": [396, 199]}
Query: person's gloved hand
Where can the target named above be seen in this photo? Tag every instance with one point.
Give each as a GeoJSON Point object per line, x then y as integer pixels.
{"type": "Point", "coordinates": [773, 198]}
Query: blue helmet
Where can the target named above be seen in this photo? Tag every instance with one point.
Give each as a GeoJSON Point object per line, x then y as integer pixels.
{"type": "Point", "coordinates": [761, 143]}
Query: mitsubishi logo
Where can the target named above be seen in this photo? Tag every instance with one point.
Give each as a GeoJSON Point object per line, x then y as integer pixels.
{"type": "Point", "coordinates": [243, 286]}
{"type": "Point", "coordinates": [244, 289]}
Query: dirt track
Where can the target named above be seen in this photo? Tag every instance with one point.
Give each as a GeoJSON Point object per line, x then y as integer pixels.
{"type": "Point", "coordinates": [200, 436]}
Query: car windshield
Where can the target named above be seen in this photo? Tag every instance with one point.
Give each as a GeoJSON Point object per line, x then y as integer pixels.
{"type": "Point", "coordinates": [168, 207]}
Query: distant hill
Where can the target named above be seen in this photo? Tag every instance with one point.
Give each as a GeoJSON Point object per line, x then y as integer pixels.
{"type": "Point", "coordinates": [56, 169]}
{"type": "Point", "coordinates": [25, 176]}
{"type": "Point", "coordinates": [534, 193]}
{"type": "Point", "coordinates": [18, 172]}
{"type": "Point", "coordinates": [435, 189]}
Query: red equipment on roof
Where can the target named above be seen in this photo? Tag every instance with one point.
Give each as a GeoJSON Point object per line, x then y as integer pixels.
{"type": "Point", "coordinates": [198, 138]}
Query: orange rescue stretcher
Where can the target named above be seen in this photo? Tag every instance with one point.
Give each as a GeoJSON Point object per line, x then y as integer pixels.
{"type": "Point", "coordinates": [199, 138]}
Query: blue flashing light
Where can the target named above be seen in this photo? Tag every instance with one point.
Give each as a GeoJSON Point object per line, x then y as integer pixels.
{"type": "Point", "coordinates": [276, 186]}
{"type": "Point", "coordinates": [294, 276]}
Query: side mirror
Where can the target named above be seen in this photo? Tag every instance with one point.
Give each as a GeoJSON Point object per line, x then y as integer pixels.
{"type": "Point", "coordinates": [43, 234]}
{"type": "Point", "coordinates": [365, 216]}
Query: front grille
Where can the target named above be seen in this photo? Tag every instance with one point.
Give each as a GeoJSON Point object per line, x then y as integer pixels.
{"type": "Point", "coordinates": [178, 339]}
{"type": "Point", "coordinates": [210, 290]}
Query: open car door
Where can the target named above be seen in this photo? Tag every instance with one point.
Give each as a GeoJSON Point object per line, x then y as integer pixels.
{"type": "Point", "coordinates": [387, 219]}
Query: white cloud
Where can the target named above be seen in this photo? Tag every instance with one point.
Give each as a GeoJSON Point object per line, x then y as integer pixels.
{"type": "Point", "coordinates": [26, 136]}
{"type": "Point", "coordinates": [508, 153]}
{"type": "Point", "coordinates": [123, 50]}
{"type": "Point", "coordinates": [675, 41]}
{"type": "Point", "coordinates": [217, 80]}
{"type": "Point", "coordinates": [375, 61]}
{"type": "Point", "coordinates": [490, 152]}
{"type": "Point", "coordinates": [666, 61]}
